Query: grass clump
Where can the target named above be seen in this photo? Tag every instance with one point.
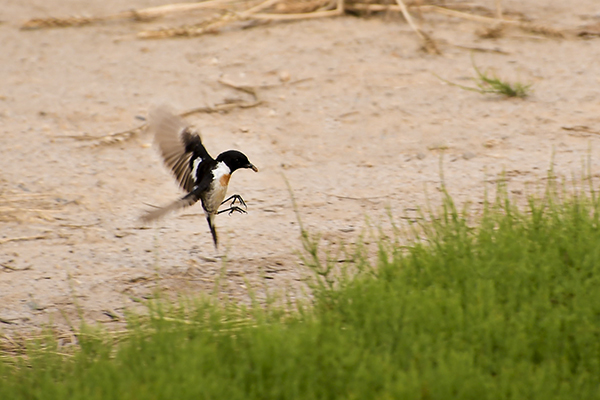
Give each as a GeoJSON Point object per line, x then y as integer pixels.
{"type": "Point", "coordinates": [507, 309]}
{"type": "Point", "coordinates": [488, 84]}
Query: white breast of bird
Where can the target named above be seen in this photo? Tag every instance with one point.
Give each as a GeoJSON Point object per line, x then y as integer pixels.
{"type": "Point", "coordinates": [218, 190]}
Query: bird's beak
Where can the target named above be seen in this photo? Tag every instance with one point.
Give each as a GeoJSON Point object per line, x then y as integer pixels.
{"type": "Point", "coordinates": [252, 167]}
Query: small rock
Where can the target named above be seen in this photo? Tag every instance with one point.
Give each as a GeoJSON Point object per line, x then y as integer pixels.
{"type": "Point", "coordinates": [438, 146]}
{"type": "Point", "coordinates": [420, 155]}
{"type": "Point", "coordinates": [284, 76]}
{"type": "Point", "coordinates": [491, 143]}
{"type": "Point", "coordinates": [467, 155]}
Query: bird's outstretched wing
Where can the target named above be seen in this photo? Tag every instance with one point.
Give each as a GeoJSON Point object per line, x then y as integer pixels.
{"type": "Point", "coordinates": [179, 145]}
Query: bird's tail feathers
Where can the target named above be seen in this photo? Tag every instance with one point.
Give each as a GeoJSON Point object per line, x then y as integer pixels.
{"type": "Point", "coordinates": [213, 230]}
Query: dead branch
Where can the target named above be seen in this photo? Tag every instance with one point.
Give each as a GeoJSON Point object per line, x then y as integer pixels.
{"type": "Point", "coordinates": [143, 14]}
{"type": "Point", "coordinates": [337, 11]}
{"type": "Point", "coordinates": [286, 11]}
{"type": "Point", "coordinates": [211, 25]}
{"type": "Point", "coordinates": [527, 26]}
{"type": "Point", "coordinates": [226, 106]}
{"type": "Point", "coordinates": [13, 269]}
{"type": "Point", "coordinates": [428, 44]}
{"type": "Point", "coordinates": [499, 9]}
{"type": "Point", "coordinates": [581, 130]}
{"type": "Point", "coordinates": [22, 238]}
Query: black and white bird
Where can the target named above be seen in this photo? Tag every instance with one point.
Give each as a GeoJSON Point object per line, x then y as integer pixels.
{"type": "Point", "coordinates": [201, 176]}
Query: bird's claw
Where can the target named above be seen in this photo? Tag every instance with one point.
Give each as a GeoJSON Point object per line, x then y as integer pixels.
{"type": "Point", "coordinates": [233, 209]}
{"type": "Point", "coordinates": [238, 209]}
{"type": "Point", "coordinates": [238, 198]}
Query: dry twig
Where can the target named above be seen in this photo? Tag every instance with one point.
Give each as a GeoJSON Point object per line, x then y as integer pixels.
{"type": "Point", "coordinates": [253, 13]}
{"type": "Point", "coordinates": [527, 26]}
{"type": "Point", "coordinates": [226, 106]}
{"type": "Point", "coordinates": [23, 238]}
{"type": "Point", "coordinates": [143, 14]}
{"type": "Point", "coordinates": [16, 206]}
{"type": "Point", "coordinates": [581, 130]}
{"type": "Point", "coordinates": [282, 10]}
{"type": "Point", "coordinates": [499, 9]}
{"type": "Point", "coordinates": [427, 42]}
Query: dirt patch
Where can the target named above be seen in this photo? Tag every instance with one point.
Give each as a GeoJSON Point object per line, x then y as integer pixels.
{"type": "Point", "coordinates": [353, 117]}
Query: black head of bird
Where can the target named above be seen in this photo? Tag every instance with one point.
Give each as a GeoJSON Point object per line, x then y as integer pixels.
{"type": "Point", "coordinates": [235, 160]}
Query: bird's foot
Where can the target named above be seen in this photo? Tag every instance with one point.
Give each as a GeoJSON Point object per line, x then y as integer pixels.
{"type": "Point", "coordinates": [235, 197]}
{"type": "Point", "coordinates": [233, 209]}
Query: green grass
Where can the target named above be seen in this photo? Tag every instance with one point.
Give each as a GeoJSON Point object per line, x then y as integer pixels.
{"type": "Point", "coordinates": [488, 84]}
{"type": "Point", "coordinates": [507, 309]}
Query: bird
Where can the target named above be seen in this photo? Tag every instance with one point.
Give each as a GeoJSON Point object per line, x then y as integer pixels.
{"type": "Point", "coordinates": [204, 178]}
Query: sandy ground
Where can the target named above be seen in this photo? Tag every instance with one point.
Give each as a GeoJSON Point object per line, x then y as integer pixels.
{"type": "Point", "coordinates": [357, 129]}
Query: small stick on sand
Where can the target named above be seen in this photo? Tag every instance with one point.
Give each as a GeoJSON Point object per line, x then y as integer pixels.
{"type": "Point", "coordinates": [338, 10]}
{"type": "Point", "coordinates": [527, 26]}
{"type": "Point", "coordinates": [22, 238]}
{"type": "Point", "coordinates": [222, 107]}
{"type": "Point", "coordinates": [428, 43]}
{"type": "Point", "coordinates": [499, 9]}
{"type": "Point", "coordinates": [142, 14]}
{"type": "Point", "coordinates": [251, 90]}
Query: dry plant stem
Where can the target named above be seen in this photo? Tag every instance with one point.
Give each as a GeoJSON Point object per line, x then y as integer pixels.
{"type": "Point", "coordinates": [12, 269]}
{"type": "Point", "coordinates": [339, 10]}
{"type": "Point", "coordinates": [409, 19]}
{"type": "Point", "coordinates": [372, 7]}
{"type": "Point", "coordinates": [467, 16]}
{"type": "Point", "coordinates": [259, 7]}
{"type": "Point", "coordinates": [391, 7]}
{"type": "Point", "coordinates": [153, 12]}
{"type": "Point", "coordinates": [140, 15]}
{"type": "Point", "coordinates": [290, 17]}
{"type": "Point", "coordinates": [22, 238]}
{"type": "Point", "coordinates": [206, 26]}
{"type": "Point", "coordinates": [19, 197]}
{"type": "Point", "coordinates": [229, 106]}
{"type": "Point", "coordinates": [499, 9]}
{"type": "Point", "coordinates": [11, 209]}
{"type": "Point", "coordinates": [581, 130]}
{"type": "Point", "coordinates": [223, 107]}
{"type": "Point", "coordinates": [428, 43]}
{"type": "Point", "coordinates": [252, 13]}
{"type": "Point", "coordinates": [528, 26]}
{"type": "Point", "coordinates": [480, 49]}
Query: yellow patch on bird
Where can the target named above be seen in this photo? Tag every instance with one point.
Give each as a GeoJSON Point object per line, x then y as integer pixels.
{"type": "Point", "coordinates": [224, 180]}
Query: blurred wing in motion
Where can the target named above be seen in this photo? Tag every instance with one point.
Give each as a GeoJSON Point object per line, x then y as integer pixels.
{"type": "Point", "coordinates": [179, 146]}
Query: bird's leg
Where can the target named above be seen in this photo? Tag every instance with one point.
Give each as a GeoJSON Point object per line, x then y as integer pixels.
{"type": "Point", "coordinates": [232, 209]}
{"type": "Point", "coordinates": [235, 197]}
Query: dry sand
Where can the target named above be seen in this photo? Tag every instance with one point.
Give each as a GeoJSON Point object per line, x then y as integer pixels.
{"type": "Point", "coordinates": [357, 129]}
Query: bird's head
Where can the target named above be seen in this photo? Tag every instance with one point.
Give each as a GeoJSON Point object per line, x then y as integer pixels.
{"type": "Point", "coordinates": [236, 160]}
